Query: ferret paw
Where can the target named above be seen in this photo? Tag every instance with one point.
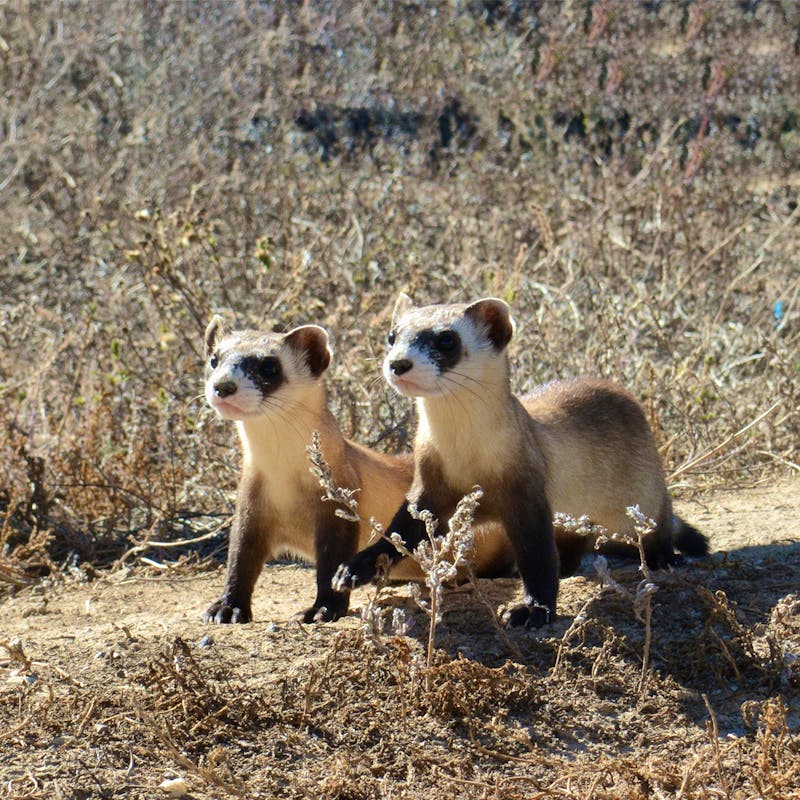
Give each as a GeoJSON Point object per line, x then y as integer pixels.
{"type": "Point", "coordinates": [320, 614]}
{"type": "Point", "coordinates": [527, 616]}
{"type": "Point", "coordinates": [224, 611]}
{"type": "Point", "coordinates": [661, 559]}
{"type": "Point", "coordinates": [359, 571]}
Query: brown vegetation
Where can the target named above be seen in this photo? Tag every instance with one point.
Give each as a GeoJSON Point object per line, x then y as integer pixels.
{"type": "Point", "coordinates": [625, 174]}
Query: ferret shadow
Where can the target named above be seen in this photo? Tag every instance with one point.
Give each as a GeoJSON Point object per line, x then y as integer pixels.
{"type": "Point", "coordinates": [469, 625]}
{"type": "Point", "coordinates": [710, 630]}
{"type": "Point", "coordinates": [714, 633]}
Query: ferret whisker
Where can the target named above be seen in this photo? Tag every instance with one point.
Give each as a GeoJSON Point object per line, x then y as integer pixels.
{"type": "Point", "coordinates": [479, 381]}
{"type": "Point", "coordinates": [453, 396]}
{"type": "Point", "coordinates": [298, 405]}
{"type": "Point", "coordinates": [285, 415]}
{"type": "Point", "coordinates": [450, 382]}
{"type": "Point", "coordinates": [375, 381]}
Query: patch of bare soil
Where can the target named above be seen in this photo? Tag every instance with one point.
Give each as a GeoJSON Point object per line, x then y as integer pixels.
{"type": "Point", "coordinates": [110, 687]}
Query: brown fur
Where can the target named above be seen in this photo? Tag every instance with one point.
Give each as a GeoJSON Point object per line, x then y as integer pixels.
{"type": "Point", "coordinates": [580, 447]}
{"type": "Point", "coordinates": [279, 507]}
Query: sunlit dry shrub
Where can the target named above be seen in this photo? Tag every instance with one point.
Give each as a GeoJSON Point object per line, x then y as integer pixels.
{"type": "Point", "coordinates": [624, 174]}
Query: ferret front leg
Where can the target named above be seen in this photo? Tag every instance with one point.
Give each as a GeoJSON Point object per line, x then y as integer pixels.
{"type": "Point", "coordinates": [248, 549]}
{"type": "Point", "coordinates": [363, 566]}
{"type": "Point", "coordinates": [529, 527]}
{"type": "Point", "coordinates": [335, 542]}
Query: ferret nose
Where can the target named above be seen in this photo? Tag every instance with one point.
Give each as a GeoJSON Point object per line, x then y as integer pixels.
{"type": "Point", "coordinates": [400, 366]}
{"type": "Point", "coordinates": [225, 388]}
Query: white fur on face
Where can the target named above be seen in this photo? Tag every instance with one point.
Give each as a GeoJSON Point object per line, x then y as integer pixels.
{"type": "Point", "coordinates": [248, 401]}
{"type": "Point", "coordinates": [426, 377]}
{"type": "Point", "coordinates": [245, 402]}
{"type": "Point", "coordinates": [420, 380]}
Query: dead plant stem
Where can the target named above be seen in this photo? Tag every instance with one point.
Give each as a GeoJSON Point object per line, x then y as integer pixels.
{"type": "Point", "coordinates": [697, 460]}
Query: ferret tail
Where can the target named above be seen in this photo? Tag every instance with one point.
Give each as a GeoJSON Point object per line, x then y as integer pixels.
{"type": "Point", "coordinates": [688, 539]}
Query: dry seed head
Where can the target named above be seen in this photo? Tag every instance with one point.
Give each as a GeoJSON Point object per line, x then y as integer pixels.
{"type": "Point", "coordinates": [402, 624]}
{"type": "Point", "coordinates": [641, 522]}
{"type": "Point", "coordinates": [346, 498]}
{"type": "Point", "coordinates": [582, 526]}
{"type": "Point", "coordinates": [371, 622]}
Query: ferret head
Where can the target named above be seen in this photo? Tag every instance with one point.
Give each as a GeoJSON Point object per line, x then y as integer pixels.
{"type": "Point", "coordinates": [252, 374]}
{"type": "Point", "coordinates": [435, 349]}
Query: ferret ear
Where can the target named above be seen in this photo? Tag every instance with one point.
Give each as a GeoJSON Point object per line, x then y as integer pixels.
{"type": "Point", "coordinates": [401, 306]}
{"type": "Point", "coordinates": [217, 329]}
{"type": "Point", "coordinates": [312, 342]}
{"type": "Point", "coordinates": [495, 316]}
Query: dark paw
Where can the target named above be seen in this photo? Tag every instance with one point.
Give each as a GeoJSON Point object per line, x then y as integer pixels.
{"type": "Point", "coordinates": [223, 612]}
{"type": "Point", "coordinates": [528, 616]}
{"type": "Point", "coordinates": [319, 614]}
{"type": "Point", "coordinates": [661, 559]}
{"type": "Point", "coordinates": [359, 571]}
{"type": "Point", "coordinates": [659, 552]}
{"type": "Point", "coordinates": [328, 607]}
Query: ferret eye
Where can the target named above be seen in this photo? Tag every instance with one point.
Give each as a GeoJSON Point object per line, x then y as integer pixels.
{"type": "Point", "coordinates": [391, 338]}
{"type": "Point", "coordinates": [213, 361]}
{"type": "Point", "coordinates": [447, 341]}
{"type": "Point", "coordinates": [269, 368]}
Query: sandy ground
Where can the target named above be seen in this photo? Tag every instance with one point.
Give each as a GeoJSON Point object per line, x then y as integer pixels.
{"type": "Point", "coordinates": [750, 524]}
{"type": "Point", "coordinates": [90, 653]}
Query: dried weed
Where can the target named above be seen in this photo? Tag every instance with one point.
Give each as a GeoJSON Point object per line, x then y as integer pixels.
{"type": "Point", "coordinates": [162, 161]}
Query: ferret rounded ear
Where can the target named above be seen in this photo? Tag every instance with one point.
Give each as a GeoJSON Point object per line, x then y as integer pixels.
{"type": "Point", "coordinates": [495, 316]}
{"type": "Point", "coordinates": [312, 342]}
{"type": "Point", "coordinates": [217, 329]}
{"type": "Point", "coordinates": [401, 306]}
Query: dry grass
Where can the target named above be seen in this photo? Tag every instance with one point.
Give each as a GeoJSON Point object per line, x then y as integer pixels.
{"type": "Point", "coordinates": [625, 174]}
{"type": "Point", "coordinates": [626, 177]}
{"type": "Point", "coordinates": [357, 716]}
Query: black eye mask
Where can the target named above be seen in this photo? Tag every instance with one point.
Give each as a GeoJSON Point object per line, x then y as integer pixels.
{"type": "Point", "coordinates": [444, 348]}
{"type": "Point", "coordinates": [266, 373]}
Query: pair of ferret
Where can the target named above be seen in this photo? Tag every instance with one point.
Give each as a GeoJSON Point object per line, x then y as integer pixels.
{"type": "Point", "coordinates": [581, 447]}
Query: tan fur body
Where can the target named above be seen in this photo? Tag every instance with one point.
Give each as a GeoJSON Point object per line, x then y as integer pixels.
{"type": "Point", "coordinates": [598, 455]}
{"type": "Point", "coordinates": [279, 506]}
{"type": "Point", "coordinates": [580, 447]}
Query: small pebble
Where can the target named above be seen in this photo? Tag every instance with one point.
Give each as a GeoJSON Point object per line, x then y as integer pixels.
{"type": "Point", "coordinates": [174, 787]}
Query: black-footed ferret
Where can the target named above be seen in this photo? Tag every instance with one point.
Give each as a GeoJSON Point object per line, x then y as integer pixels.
{"type": "Point", "coordinates": [578, 447]}
{"type": "Point", "coordinates": [272, 385]}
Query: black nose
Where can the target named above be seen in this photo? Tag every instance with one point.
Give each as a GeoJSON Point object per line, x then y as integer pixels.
{"type": "Point", "coordinates": [225, 388]}
{"type": "Point", "coordinates": [400, 366]}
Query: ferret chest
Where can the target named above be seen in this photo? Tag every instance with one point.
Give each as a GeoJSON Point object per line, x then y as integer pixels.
{"type": "Point", "coordinates": [467, 457]}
